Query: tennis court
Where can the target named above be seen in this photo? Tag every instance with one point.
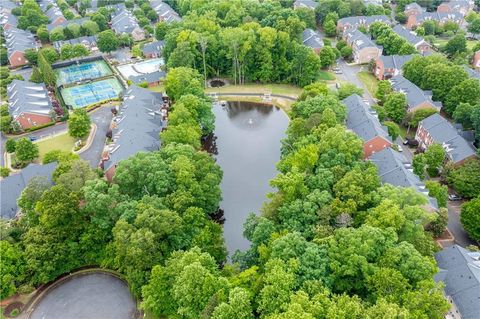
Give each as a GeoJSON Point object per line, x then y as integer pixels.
{"type": "Point", "coordinates": [91, 93]}
{"type": "Point", "coordinates": [82, 71]}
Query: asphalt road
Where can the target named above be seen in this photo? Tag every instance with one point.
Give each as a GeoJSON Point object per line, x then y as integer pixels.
{"type": "Point", "coordinates": [100, 117]}
{"type": "Point", "coordinates": [455, 226]}
{"type": "Point", "coordinates": [92, 296]}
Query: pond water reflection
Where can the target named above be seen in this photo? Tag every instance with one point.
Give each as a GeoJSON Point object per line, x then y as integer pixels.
{"type": "Point", "coordinates": [248, 144]}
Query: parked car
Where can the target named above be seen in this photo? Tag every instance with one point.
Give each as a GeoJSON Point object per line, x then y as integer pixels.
{"type": "Point", "coordinates": [338, 72]}
{"type": "Point", "coordinates": [454, 197]}
{"type": "Point", "coordinates": [399, 148]}
{"type": "Point", "coordinates": [32, 138]}
{"type": "Point", "coordinates": [338, 85]}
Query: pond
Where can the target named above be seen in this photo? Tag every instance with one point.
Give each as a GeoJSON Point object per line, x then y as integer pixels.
{"type": "Point", "coordinates": [93, 295]}
{"type": "Point", "coordinates": [248, 147]}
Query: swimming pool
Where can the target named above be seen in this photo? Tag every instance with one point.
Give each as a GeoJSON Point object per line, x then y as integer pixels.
{"type": "Point", "coordinates": [82, 71]}
{"type": "Point", "coordinates": [91, 93]}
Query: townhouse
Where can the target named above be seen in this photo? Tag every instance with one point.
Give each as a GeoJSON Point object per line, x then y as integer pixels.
{"type": "Point", "coordinates": [388, 66]}
{"type": "Point", "coordinates": [89, 42]}
{"type": "Point", "coordinates": [135, 127]}
{"type": "Point", "coordinates": [436, 129]}
{"type": "Point", "coordinates": [123, 21]}
{"type": "Point", "coordinates": [419, 43]}
{"type": "Point", "coordinates": [29, 103]}
{"type": "Point", "coordinates": [153, 49]}
{"type": "Point", "coordinates": [461, 6]}
{"type": "Point", "coordinates": [350, 23]}
{"type": "Point", "coordinates": [310, 4]}
{"type": "Point", "coordinates": [52, 11]}
{"type": "Point", "coordinates": [393, 168]}
{"type": "Point", "coordinates": [13, 186]}
{"type": "Point", "coordinates": [17, 42]}
{"type": "Point", "coordinates": [164, 11]}
{"type": "Point", "coordinates": [439, 17]}
{"type": "Point", "coordinates": [413, 9]}
{"type": "Point", "coordinates": [152, 79]}
{"type": "Point", "coordinates": [8, 5]}
{"type": "Point", "coordinates": [363, 122]}
{"type": "Point", "coordinates": [312, 39]}
{"type": "Point", "coordinates": [416, 97]}
{"type": "Point", "coordinates": [459, 270]}
{"type": "Point", "coordinates": [8, 20]}
{"type": "Point", "coordinates": [66, 23]}
{"type": "Point", "coordinates": [364, 49]}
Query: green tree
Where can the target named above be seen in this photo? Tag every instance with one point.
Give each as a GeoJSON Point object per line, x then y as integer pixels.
{"type": "Point", "coordinates": [384, 88]}
{"type": "Point", "coordinates": [465, 179]}
{"type": "Point", "coordinates": [438, 191]}
{"type": "Point", "coordinates": [396, 106]}
{"type": "Point", "coordinates": [470, 218]}
{"type": "Point", "coordinates": [100, 20]}
{"type": "Point", "coordinates": [57, 34]}
{"type": "Point", "coordinates": [12, 268]}
{"type": "Point", "coordinates": [348, 89]}
{"type": "Point", "coordinates": [327, 56]}
{"type": "Point", "coordinates": [413, 118]}
{"type": "Point", "coordinates": [346, 52]}
{"type": "Point", "coordinates": [182, 81]}
{"type": "Point", "coordinates": [36, 76]}
{"type": "Point", "coordinates": [238, 306]}
{"type": "Point", "coordinates": [46, 70]}
{"type": "Point", "coordinates": [4, 171]}
{"type": "Point", "coordinates": [463, 113]}
{"type": "Point", "coordinates": [458, 44]}
{"type": "Point", "coordinates": [393, 129]}
{"type": "Point", "coordinates": [107, 41]}
{"type": "Point", "coordinates": [161, 29]}
{"type": "Point", "coordinates": [42, 34]}
{"type": "Point", "coordinates": [182, 56]}
{"type": "Point", "coordinates": [10, 145]}
{"type": "Point", "coordinates": [330, 28]}
{"type": "Point", "coordinates": [313, 90]}
{"type": "Point", "coordinates": [90, 27]}
{"type": "Point", "coordinates": [434, 157]}
{"type": "Point", "coordinates": [50, 54]}
{"type": "Point", "coordinates": [79, 123]}
{"type": "Point", "coordinates": [25, 150]}
{"type": "Point", "coordinates": [474, 26]}
{"type": "Point", "coordinates": [467, 91]}
{"type": "Point", "coordinates": [419, 165]}
{"type": "Point", "coordinates": [32, 56]}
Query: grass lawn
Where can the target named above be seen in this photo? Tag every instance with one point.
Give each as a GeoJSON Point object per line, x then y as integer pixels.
{"type": "Point", "coordinates": [325, 76]}
{"type": "Point", "coordinates": [157, 88]}
{"type": "Point", "coordinates": [282, 89]}
{"type": "Point", "coordinates": [369, 80]}
{"type": "Point", "coordinates": [62, 142]}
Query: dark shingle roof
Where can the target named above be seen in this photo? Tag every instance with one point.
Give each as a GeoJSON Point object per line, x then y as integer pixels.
{"type": "Point", "coordinates": [138, 125]}
{"type": "Point", "coordinates": [64, 24]}
{"type": "Point", "coordinates": [412, 38]}
{"type": "Point", "coordinates": [147, 77]}
{"type": "Point", "coordinates": [86, 40]}
{"type": "Point", "coordinates": [414, 94]}
{"type": "Point", "coordinates": [19, 40]}
{"type": "Point", "coordinates": [364, 20]}
{"type": "Point", "coordinates": [394, 169]}
{"type": "Point", "coordinates": [8, 18]}
{"type": "Point", "coordinates": [361, 119]}
{"type": "Point", "coordinates": [395, 61]}
{"type": "Point", "coordinates": [312, 39]}
{"type": "Point", "coordinates": [54, 13]}
{"type": "Point", "coordinates": [442, 132]}
{"type": "Point", "coordinates": [460, 271]}
{"type": "Point", "coordinates": [471, 72]}
{"type": "Point", "coordinates": [415, 6]}
{"type": "Point", "coordinates": [124, 22]}
{"type": "Point", "coordinates": [153, 47]}
{"type": "Point", "coordinates": [8, 5]}
{"type": "Point", "coordinates": [164, 11]}
{"type": "Point", "coordinates": [24, 96]}
{"type": "Point", "coordinates": [439, 16]}
{"type": "Point", "coordinates": [13, 185]}
{"type": "Point", "coordinates": [359, 40]}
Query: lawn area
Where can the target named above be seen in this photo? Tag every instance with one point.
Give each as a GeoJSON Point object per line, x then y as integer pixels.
{"type": "Point", "coordinates": [369, 80]}
{"type": "Point", "coordinates": [282, 89]}
{"type": "Point", "coordinates": [157, 88]}
{"type": "Point", "coordinates": [62, 142]}
{"type": "Point", "coordinates": [325, 76]}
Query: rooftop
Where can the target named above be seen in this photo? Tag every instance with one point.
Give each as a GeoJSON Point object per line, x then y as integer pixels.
{"type": "Point", "coordinates": [153, 47]}
{"type": "Point", "coordinates": [312, 39]}
{"type": "Point", "coordinates": [460, 271]}
{"type": "Point", "coordinates": [137, 125]}
{"type": "Point", "coordinates": [64, 24]}
{"type": "Point", "coordinates": [147, 77]}
{"type": "Point", "coordinates": [414, 6]}
{"type": "Point", "coordinates": [362, 120]}
{"type": "Point", "coordinates": [124, 22]}
{"type": "Point", "coordinates": [411, 37]}
{"type": "Point", "coordinates": [28, 97]}
{"type": "Point", "coordinates": [415, 96]}
{"type": "Point", "coordinates": [364, 20]}
{"type": "Point", "coordinates": [305, 4]}
{"type": "Point", "coordinates": [8, 18]}
{"type": "Point", "coordinates": [359, 40]}
{"type": "Point", "coordinates": [393, 168]}
{"type": "Point", "coordinates": [19, 40]}
{"type": "Point", "coordinates": [395, 61]}
{"type": "Point", "coordinates": [164, 11]}
{"type": "Point", "coordinates": [471, 72]}
{"type": "Point", "coordinates": [13, 185]}
{"type": "Point", "coordinates": [86, 40]}
{"type": "Point", "coordinates": [442, 132]}
{"type": "Point", "coordinates": [439, 16]}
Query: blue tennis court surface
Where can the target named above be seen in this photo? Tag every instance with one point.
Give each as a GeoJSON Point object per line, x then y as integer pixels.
{"type": "Point", "coordinates": [82, 71]}
{"type": "Point", "coordinates": [91, 93]}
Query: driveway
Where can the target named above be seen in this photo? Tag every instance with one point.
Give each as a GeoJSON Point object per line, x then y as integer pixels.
{"type": "Point", "coordinates": [26, 73]}
{"type": "Point", "coordinates": [455, 226]}
{"type": "Point", "coordinates": [102, 118]}
{"type": "Point", "coordinates": [95, 295]}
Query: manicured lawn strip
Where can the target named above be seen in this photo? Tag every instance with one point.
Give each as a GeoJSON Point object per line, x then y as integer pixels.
{"type": "Point", "coordinates": [282, 89]}
{"type": "Point", "coordinates": [325, 76]}
{"type": "Point", "coordinates": [370, 82]}
{"type": "Point", "coordinates": [62, 142]}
